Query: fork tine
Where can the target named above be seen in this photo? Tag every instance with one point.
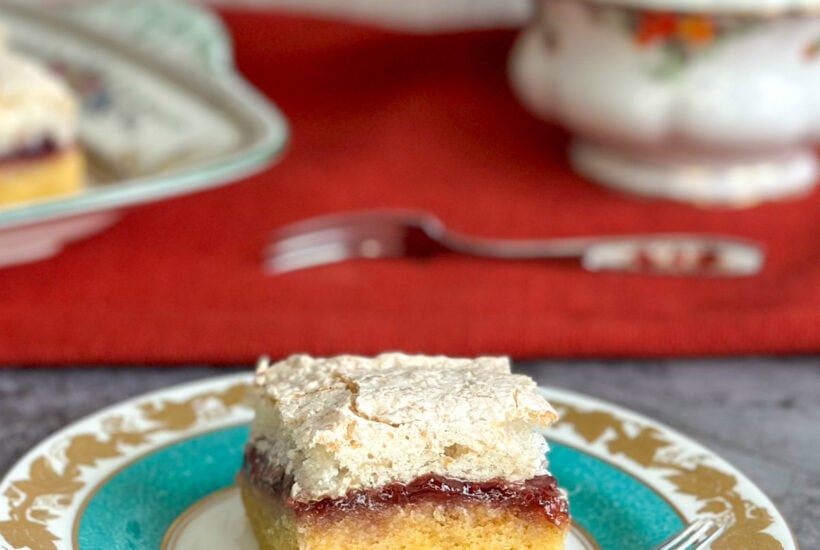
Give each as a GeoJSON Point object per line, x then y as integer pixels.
{"type": "Point", "coordinates": [331, 246]}
{"type": "Point", "coordinates": [340, 220]}
{"type": "Point", "coordinates": [672, 542]}
{"type": "Point", "coordinates": [333, 239]}
{"type": "Point", "coordinates": [292, 250]}
{"type": "Point", "coordinates": [279, 261]}
{"type": "Point", "coordinates": [283, 257]}
{"type": "Point", "coordinates": [697, 535]}
{"type": "Point", "coordinates": [716, 532]}
{"type": "Point", "coordinates": [307, 240]}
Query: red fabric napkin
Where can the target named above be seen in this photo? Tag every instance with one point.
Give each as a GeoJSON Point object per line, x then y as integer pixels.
{"type": "Point", "coordinates": [382, 119]}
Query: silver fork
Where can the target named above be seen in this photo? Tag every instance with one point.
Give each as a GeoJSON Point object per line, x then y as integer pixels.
{"type": "Point", "coordinates": [409, 233]}
{"type": "Point", "coordinates": [698, 535]}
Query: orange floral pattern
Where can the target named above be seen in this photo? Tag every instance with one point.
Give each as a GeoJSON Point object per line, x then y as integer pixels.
{"type": "Point", "coordinates": [691, 30]}
{"type": "Point", "coordinates": [811, 51]}
{"type": "Point", "coordinates": [679, 37]}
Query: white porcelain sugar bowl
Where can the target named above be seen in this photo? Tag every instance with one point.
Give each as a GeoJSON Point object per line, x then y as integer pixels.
{"type": "Point", "coordinates": [715, 102]}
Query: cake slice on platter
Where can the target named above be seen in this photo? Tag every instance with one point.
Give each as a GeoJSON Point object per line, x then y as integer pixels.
{"type": "Point", "coordinates": [400, 452]}
{"type": "Point", "coordinates": [39, 155]}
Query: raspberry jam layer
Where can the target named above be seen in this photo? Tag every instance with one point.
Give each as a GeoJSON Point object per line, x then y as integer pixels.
{"type": "Point", "coordinates": [37, 151]}
{"type": "Point", "coordinates": [539, 496]}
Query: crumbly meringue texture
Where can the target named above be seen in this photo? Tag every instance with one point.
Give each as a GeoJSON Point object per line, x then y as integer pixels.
{"type": "Point", "coordinates": [348, 423]}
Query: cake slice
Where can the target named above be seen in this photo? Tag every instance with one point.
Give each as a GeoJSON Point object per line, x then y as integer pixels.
{"type": "Point", "coordinates": [400, 452]}
{"type": "Point", "coordinates": [39, 156]}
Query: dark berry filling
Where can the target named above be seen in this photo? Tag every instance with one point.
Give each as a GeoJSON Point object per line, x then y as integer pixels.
{"type": "Point", "coordinates": [538, 496]}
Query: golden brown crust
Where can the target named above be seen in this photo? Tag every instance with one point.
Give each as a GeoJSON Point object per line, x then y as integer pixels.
{"type": "Point", "coordinates": [55, 174]}
{"type": "Point", "coordinates": [421, 526]}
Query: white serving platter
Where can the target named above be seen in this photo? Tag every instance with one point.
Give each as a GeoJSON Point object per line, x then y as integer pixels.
{"type": "Point", "coordinates": [164, 113]}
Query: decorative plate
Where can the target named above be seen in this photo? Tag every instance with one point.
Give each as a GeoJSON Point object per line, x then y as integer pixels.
{"type": "Point", "coordinates": [163, 112]}
{"type": "Point", "coordinates": [157, 472]}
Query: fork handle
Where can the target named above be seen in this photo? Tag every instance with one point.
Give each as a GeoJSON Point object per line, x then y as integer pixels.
{"type": "Point", "coordinates": [673, 254]}
{"type": "Point", "coordinates": [680, 255]}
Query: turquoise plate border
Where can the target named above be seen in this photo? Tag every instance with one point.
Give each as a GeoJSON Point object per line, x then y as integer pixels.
{"type": "Point", "coordinates": [124, 476]}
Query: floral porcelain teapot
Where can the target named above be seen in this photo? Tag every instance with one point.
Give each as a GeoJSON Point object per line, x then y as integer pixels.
{"type": "Point", "coordinates": [712, 102]}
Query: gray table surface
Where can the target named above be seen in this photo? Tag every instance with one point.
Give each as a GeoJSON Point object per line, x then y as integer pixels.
{"type": "Point", "coordinates": [763, 415]}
